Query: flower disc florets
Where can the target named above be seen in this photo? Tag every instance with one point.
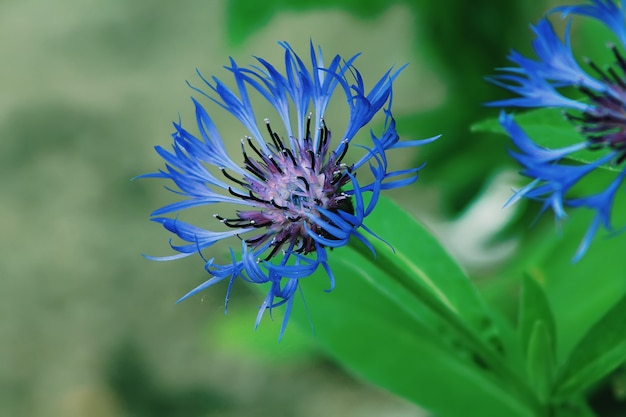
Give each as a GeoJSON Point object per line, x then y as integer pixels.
{"type": "Point", "coordinates": [288, 196]}
{"type": "Point", "coordinates": [604, 122]}
{"type": "Point", "coordinates": [291, 187]}
{"type": "Point", "coordinates": [599, 115]}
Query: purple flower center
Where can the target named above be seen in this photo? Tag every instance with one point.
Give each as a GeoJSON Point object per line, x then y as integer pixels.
{"type": "Point", "coordinates": [604, 124]}
{"type": "Point", "coordinates": [289, 187]}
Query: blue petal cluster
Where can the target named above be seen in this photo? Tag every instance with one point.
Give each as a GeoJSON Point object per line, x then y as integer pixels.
{"type": "Point", "coordinates": [289, 194]}
{"type": "Point", "coordinates": [593, 100]}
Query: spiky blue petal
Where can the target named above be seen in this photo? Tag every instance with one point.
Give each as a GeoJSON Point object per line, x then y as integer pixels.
{"type": "Point", "coordinates": [606, 11]}
{"type": "Point", "coordinates": [602, 204]}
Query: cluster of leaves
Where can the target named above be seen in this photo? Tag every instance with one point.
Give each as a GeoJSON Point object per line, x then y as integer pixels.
{"type": "Point", "coordinates": [420, 329]}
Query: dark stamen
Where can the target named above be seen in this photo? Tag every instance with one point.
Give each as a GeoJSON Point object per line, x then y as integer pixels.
{"type": "Point", "coordinates": [620, 59]}
{"type": "Point", "coordinates": [230, 177]}
{"type": "Point", "coordinates": [597, 69]}
{"type": "Point", "coordinates": [617, 78]}
{"type": "Point", "coordinates": [273, 202]}
{"type": "Point", "coordinates": [246, 197]}
{"type": "Point", "coordinates": [240, 223]}
{"type": "Point", "coordinates": [312, 157]}
{"type": "Point", "coordinates": [277, 246]}
{"type": "Point", "coordinates": [257, 239]}
{"type": "Point", "coordinates": [572, 117]}
{"type": "Point", "coordinates": [340, 178]}
{"type": "Point", "coordinates": [252, 165]}
{"type": "Point", "coordinates": [586, 91]}
{"type": "Point", "coordinates": [287, 151]}
{"type": "Point", "coordinates": [256, 172]}
{"type": "Point", "coordinates": [337, 177]}
{"type": "Point", "coordinates": [307, 138]}
{"type": "Point", "coordinates": [599, 99]}
{"type": "Point", "coordinates": [263, 224]}
{"type": "Point", "coordinates": [275, 138]}
{"type": "Point", "coordinates": [235, 223]}
{"type": "Point", "coordinates": [343, 151]}
{"type": "Point", "coordinates": [271, 158]}
{"type": "Point", "coordinates": [324, 136]}
{"type": "Point", "coordinates": [251, 145]}
{"type": "Point", "coordinates": [305, 182]}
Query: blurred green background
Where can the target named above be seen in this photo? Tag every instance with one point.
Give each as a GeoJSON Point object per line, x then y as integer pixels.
{"type": "Point", "coordinates": [88, 326]}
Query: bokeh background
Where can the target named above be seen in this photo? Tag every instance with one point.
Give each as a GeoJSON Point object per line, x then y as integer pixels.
{"type": "Point", "coordinates": [88, 327]}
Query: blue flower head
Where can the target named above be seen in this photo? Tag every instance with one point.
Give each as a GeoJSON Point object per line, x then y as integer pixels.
{"type": "Point", "coordinates": [289, 195]}
{"type": "Point", "coordinates": [593, 100]}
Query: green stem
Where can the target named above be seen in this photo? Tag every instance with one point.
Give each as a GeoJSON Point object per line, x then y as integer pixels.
{"type": "Point", "coordinates": [439, 305]}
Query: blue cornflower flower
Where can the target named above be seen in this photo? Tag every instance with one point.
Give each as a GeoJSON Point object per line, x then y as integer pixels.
{"type": "Point", "coordinates": [597, 111]}
{"type": "Point", "coordinates": [289, 194]}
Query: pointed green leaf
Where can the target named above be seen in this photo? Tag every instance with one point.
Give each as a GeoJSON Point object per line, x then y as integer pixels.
{"type": "Point", "coordinates": [538, 336]}
{"type": "Point", "coordinates": [534, 308]}
{"type": "Point", "coordinates": [599, 352]}
{"type": "Point", "coordinates": [540, 360]}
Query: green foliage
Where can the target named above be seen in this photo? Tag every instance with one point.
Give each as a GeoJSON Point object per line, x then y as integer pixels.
{"type": "Point", "coordinates": [538, 335]}
{"type": "Point", "coordinates": [601, 351]}
{"type": "Point", "coordinates": [586, 297]}
{"type": "Point", "coordinates": [535, 310]}
{"type": "Point", "coordinates": [411, 322]}
{"type": "Point", "coordinates": [540, 360]}
{"type": "Point", "coordinates": [416, 303]}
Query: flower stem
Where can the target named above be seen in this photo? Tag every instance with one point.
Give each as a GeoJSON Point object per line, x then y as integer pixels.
{"type": "Point", "coordinates": [435, 301]}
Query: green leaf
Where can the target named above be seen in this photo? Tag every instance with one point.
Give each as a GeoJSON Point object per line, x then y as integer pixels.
{"type": "Point", "coordinates": [417, 253]}
{"type": "Point", "coordinates": [573, 408]}
{"type": "Point", "coordinates": [548, 128]}
{"type": "Point", "coordinates": [540, 360]}
{"type": "Point", "coordinates": [592, 285]}
{"type": "Point", "coordinates": [599, 352]}
{"type": "Point", "coordinates": [538, 336]}
{"type": "Point", "coordinates": [534, 308]}
{"type": "Point", "coordinates": [373, 324]}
